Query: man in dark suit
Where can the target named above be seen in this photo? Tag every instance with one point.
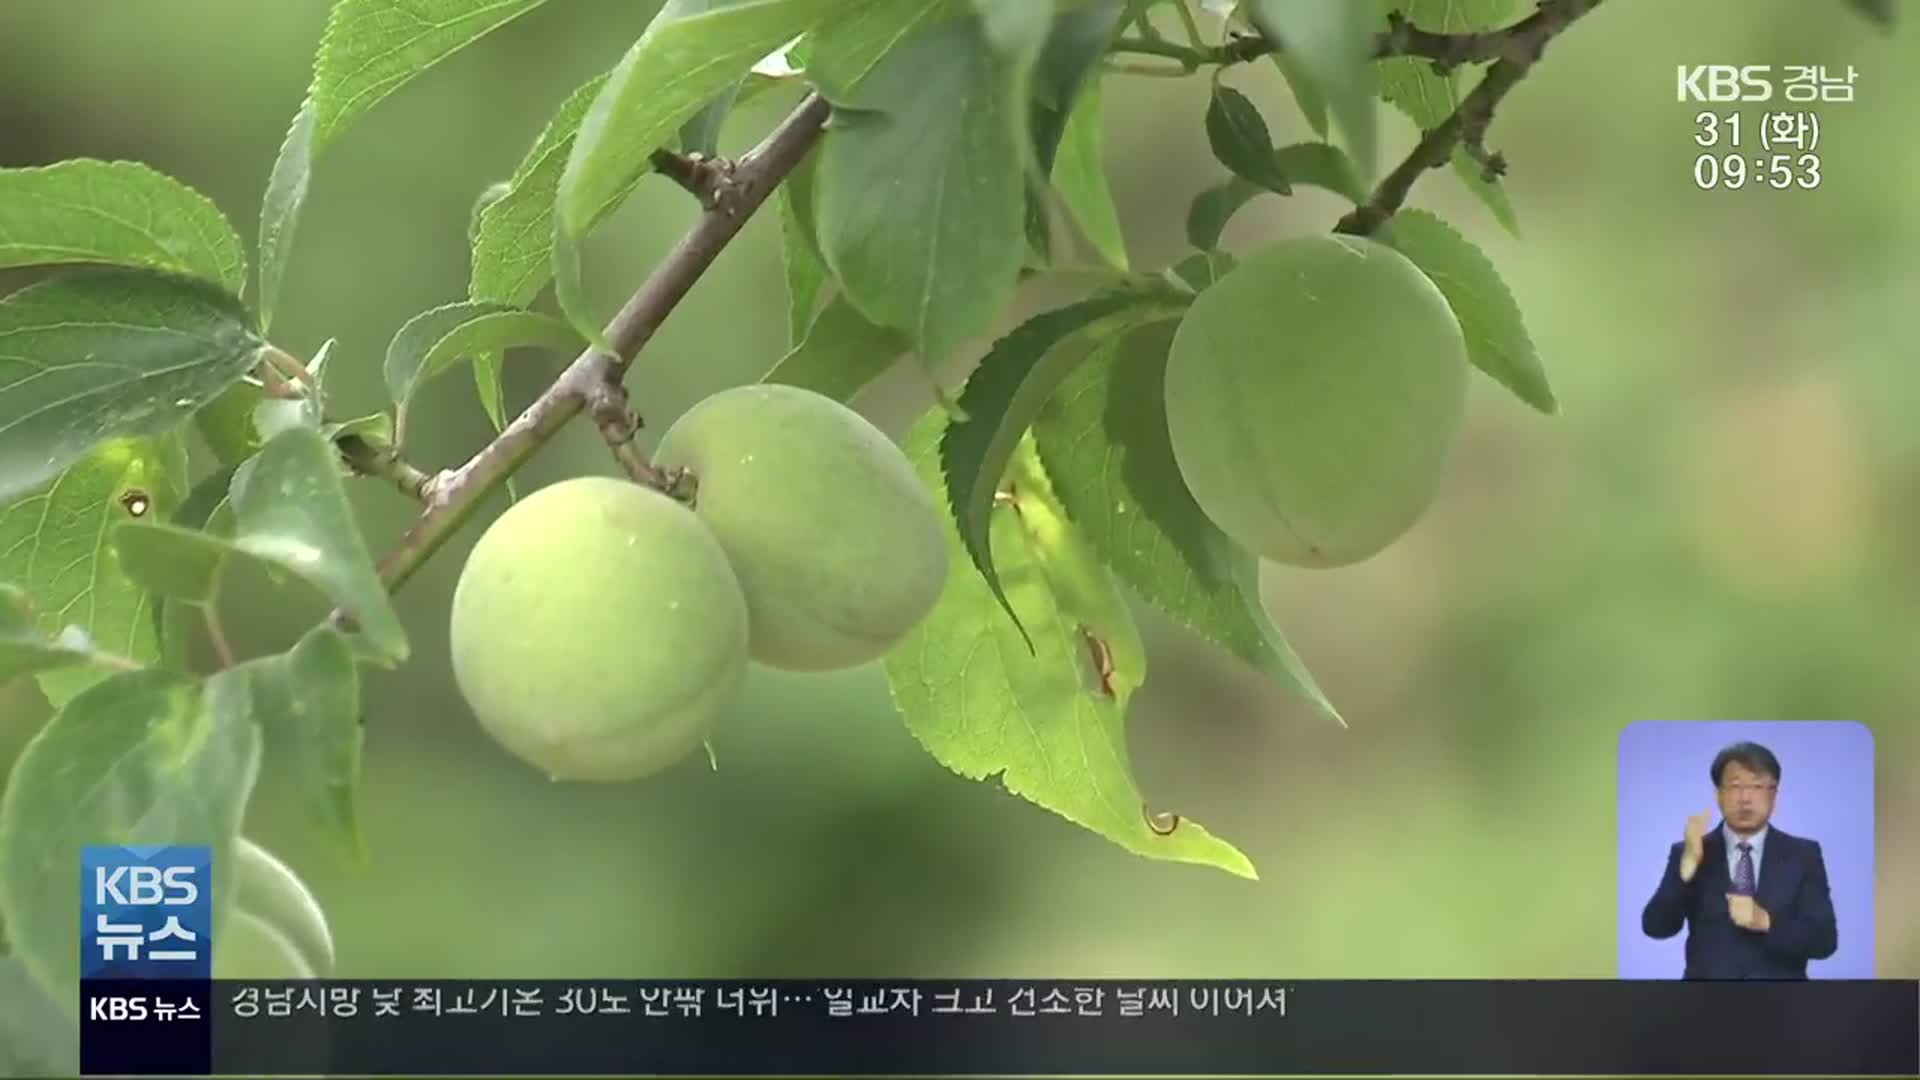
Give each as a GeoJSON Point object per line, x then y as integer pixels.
{"type": "Point", "coordinates": [1754, 899]}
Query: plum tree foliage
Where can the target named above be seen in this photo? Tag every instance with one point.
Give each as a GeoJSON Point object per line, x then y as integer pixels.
{"type": "Point", "coordinates": [1148, 440]}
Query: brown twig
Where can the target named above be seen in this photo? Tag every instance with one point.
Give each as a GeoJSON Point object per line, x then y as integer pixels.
{"type": "Point", "coordinates": [705, 178]}
{"type": "Point", "coordinates": [1523, 44]}
{"type": "Point", "coordinates": [453, 496]}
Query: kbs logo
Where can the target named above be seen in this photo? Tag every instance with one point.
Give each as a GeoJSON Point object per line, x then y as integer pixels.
{"type": "Point", "coordinates": [1725, 82]}
{"type": "Point", "coordinates": [130, 885]}
{"type": "Point", "coordinates": [117, 1008]}
{"type": "Point", "coordinates": [146, 912]}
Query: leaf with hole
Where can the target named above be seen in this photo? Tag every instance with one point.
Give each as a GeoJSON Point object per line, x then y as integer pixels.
{"type": "Point", "coordinates": [103, 354]}
{"type": "Point", "coordinates": [1003, 397]}
{"type": "Point", "coordinates": [146, 757]}
{"type": "Point", "coordinates": [1496, 333]}
{"type": "Point", "coordinates": [54, 547]}
{"type": "Point", "coordinates": [1103, 441]}
{"type": "Point", "coordinates": [120, 213]}
{"type": "Point", "coordinates": [1045, 711]}
{"type": "Point", "coordinates": [290, 512]}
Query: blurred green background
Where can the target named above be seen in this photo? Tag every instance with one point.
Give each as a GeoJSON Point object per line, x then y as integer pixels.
{"type": "Point", "coordinates": [1720, 524]}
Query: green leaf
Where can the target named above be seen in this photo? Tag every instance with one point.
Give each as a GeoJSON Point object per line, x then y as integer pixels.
{"type": "Point", "coordinates": [106, 353]}
{"type": "Point", "coordinates": [369, 49]}
{"type": "Point", "coordinates": [376, 428]}
{"type": "Point", "coordinates": [290, 512]}
{"type": "Point", "coordinates": [24, 650]}
{"type": "Point", "coordinates": [116, 212]}
{"type": "Point", "coordinates": [843, 53]}
{"type": "Point", "coordinates": [841, 354]}
{"type": "Point", "coordinates": [1239, 139]}
{"type": "Point", "coordinates": [1321, 165]}
{"type": "Point", "coordinates": [701, 133]}
{"type": "Point", "coordinates": [800, 251]}
{"type": "Point", "coordinates": [1496, 333]}
{"type": "Point", "coordinates": [280, 209]}
{"type": "Point", "coordinates": [37, 1037]}
{"type": "Point", "coordinates": [1212, 209]}
{"type": "Point", "coordinates": [226, 423]}
{"type": "Point", "coordinates": [307, 701]}
{"type": "Point", "coordinates": [53, 546]}
{"type": "Point", "coordinates": [1333, 43]}
{"type": "Point", "coordinates": [689, 52]}
{"type": "Point", "coordinates": [513, 243]}
{"type": "Point", "coordinates": [513, 234]}
{"type": "Point", "coordinates": [1037, 711]}
{"type": "Point", "coordinates": [1080, 176]}
{"type": "Point", "coordinates": [206, 507]}
{"type": "Point", "coordinates": [1879, 12]}
{"type": "Point", "coordinates": [147, 757]}
{"type": "Point", "coordinates": [434, 340]}
{"type": "Point", "coordinates": [1410, 85]}
{"type": "Point", "coordinates": [372, 48]}
{"type": "Point", "coordinates": [1016, 28]}
{"type": "Point", "coordinates": [1200, 270]}
{"type": "Point", "coordinates": [1104, 443]}
{"type": "Point", "coordinates": [1313, 105]}
{"type": "Point", "coordinates": [936, 250]}
{"type": "Point", "coordinates": [1002, 398]}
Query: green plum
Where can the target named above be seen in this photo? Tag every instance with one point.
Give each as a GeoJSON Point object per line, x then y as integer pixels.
{"type": "Point", "coordinates": [838, 545]}
{"type": "Point", "coordinates": [598, 631]}
{"type": "Point", "coordinates": [275, 928]}
{"type": "Point", "coordinates": [1313, 397]}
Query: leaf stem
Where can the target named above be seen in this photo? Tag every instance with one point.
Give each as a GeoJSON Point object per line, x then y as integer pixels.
{"type": "Point", "coordinates": [452, 497]}
{"type": "Point", "coordinates": [384, 463]}
{"type": "Point", "coordinates": [1523, 44]}
{"type": "Point", "coordinates": [1186, 22]}
{"type": "Point", "coordinates": [217, 633]}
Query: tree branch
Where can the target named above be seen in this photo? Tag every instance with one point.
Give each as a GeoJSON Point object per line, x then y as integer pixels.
{"type": "Point", "coordinates": [384, 463]}
{"type": "Point", "coordinates": [1401, 38]}
{"type": "Point", "coordinates": [737, 192]}
{"type": "Point", "coordinates": [1523, 44]}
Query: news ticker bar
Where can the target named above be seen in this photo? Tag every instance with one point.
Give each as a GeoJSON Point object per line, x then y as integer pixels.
{"type": "Point", "coordinates": [998, 1028]}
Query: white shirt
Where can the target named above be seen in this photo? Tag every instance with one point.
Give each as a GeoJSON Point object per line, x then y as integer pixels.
{"type": "Point", "coordinates": [1734, 839]}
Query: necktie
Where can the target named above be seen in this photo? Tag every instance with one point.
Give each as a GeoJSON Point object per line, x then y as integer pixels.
{"type": "Point", "coordinates": [1743, 871]}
